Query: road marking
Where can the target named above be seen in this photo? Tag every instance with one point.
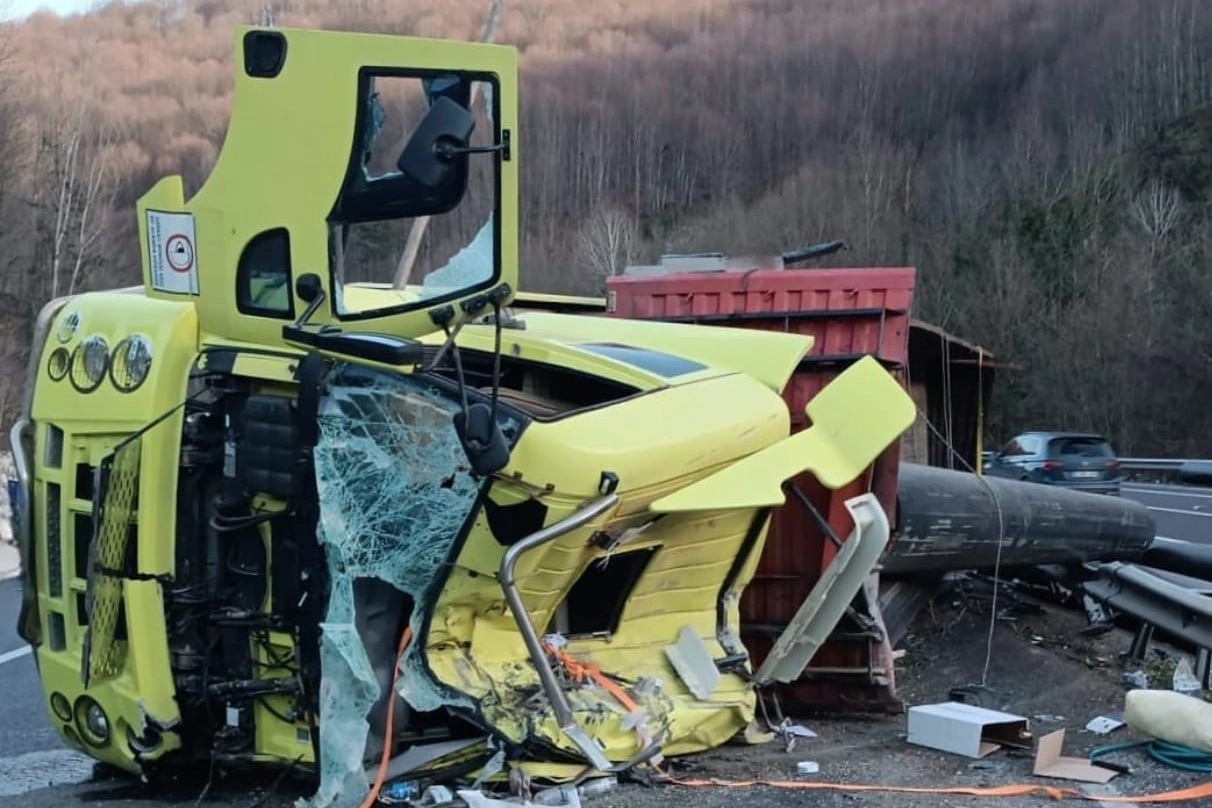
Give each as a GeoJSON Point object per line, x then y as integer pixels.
{"type": "Point", "coordinates": [9, 656]}
{"type": "Point", "coordinates": [1167, 492]}
{"type": "Point", "coordinates": [1179, 510]}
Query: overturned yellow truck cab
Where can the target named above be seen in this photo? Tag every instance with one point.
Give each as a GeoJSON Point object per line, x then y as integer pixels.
{"type": "Point", "coordinates": [322, 490]}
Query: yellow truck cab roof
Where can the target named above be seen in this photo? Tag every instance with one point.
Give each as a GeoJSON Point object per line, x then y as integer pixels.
{"type": "Point", "coordinates": [645, 353]}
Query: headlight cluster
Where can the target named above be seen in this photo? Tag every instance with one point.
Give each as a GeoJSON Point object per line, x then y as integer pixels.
{"type": "Point", "coordinates": [130, 362]}
{"type": "Point", "coordinates": [88, 364]}
{"type": "Point", "coordinates": [92, 723]}
{"type": "Point", "coordinates": [127, 364]}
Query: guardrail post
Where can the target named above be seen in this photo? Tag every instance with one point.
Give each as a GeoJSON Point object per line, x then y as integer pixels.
{"type": "Point", "coordinates": [1140, 643]}
{"type": "Point", "coordinates": [1203, 668]}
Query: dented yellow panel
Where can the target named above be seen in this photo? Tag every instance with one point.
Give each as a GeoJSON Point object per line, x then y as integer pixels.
{"type": "Point", "coordinates": [474, 645]}
{"type": "Point", "coordinates": [476, 648]}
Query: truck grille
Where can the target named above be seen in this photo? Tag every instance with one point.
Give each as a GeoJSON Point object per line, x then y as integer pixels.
{"type": "Point", "coordinates": [118, 494]}
{"type": "Point", "coordinates": [54, 541]}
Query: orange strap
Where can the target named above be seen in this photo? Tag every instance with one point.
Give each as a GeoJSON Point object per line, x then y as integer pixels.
{"type": "Point", "coordinates": [580, 671]}
{"type": "Point", "coordinates": [1019, 790]}
{"type": "Point", "coordinates": [373, 796]}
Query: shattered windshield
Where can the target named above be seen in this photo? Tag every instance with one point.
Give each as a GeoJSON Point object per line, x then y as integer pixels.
{"type": "Point", "coordinates": [395, 495]}
{"type": "Point", "coordinates": [395, 241]}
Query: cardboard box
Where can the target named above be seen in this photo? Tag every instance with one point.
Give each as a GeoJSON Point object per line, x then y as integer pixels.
{"type": "Point", "coordinates": [1049, 762]}
{"type": "Point", "coordinates": [964, 729]}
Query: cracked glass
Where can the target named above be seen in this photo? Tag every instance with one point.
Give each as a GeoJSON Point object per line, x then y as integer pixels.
{"type": "Point", "coordinates": [395, 492]}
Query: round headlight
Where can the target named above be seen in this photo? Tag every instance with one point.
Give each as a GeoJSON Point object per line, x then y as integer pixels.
{"type": "Point", "coordinates": [61, 706]}
{"type": "Point", "coordinates": [89, 362]}
{"type": "Point", "coordinates": [130, 363]}
{"type": "Point", "coordinates": [56, 366]}
{"type": "Point", "coordinates": [91, 722]}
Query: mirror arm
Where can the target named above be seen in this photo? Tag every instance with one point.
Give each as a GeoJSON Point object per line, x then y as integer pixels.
{"type": "Point", "coordinates": [316, 302]}
{"type": "Point", "coordinates": [448, 151]}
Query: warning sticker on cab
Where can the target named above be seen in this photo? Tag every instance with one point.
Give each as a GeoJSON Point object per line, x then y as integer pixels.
{"type": "Point", "coordinates": [171, 252]}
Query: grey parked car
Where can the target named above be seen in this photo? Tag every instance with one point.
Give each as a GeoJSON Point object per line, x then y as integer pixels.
{"type": "Point", "coordinates": [1080, 460]}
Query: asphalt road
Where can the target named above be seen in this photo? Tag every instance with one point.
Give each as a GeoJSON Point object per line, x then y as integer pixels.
{"type": "Point", "coordinates": [1180, 512]}
{"type": "Point", "coordinates": [31, 755]}
{"type": "Point", "coordinates": [32, 758]}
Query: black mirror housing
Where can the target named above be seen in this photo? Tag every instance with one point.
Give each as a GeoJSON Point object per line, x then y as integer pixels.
{"type": "Point", "coordinates": [435, 148]}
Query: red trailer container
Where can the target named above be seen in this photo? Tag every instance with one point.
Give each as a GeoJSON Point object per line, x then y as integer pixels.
{"type": "Point", "coordinates": [849, 313]}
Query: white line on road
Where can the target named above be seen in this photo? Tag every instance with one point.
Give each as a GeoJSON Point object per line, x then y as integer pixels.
{"type": "Point", "coordinates": [1180, 510]}
{"type": "Point", "coordinates": [9, 656]}
{"type": "Point", "coordinates": [1167, 492]}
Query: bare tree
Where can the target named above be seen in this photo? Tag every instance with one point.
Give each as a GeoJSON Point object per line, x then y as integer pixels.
{"type": "Point", "coordinates": [70, 195]}
{"type": "Point", "coordinates": [1156, 208]}
{"type": "Point", "coordinates": [12, 306]}
{"type": "Point", "coordinates": [606, 243]}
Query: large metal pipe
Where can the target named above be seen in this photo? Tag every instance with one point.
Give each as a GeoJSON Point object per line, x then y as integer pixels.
{"type": "Point", "coordinates": [952, 520]}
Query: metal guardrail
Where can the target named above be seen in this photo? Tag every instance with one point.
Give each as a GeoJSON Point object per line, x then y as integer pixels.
{"type": "Point", "coordinates": [1148, 597]}
{"type": "Point", "coordinates": [1156, 463]}
{"type": "Point", "coordinates": [1180, 611]}
{"type": "Point", "coordinates": [1148, 463]}
{"type": "Point", "coordinates": [1188, 470]}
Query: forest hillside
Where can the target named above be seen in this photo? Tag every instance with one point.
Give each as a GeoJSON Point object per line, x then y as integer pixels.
{"type": "Point", "coordinates": [1045, 164]}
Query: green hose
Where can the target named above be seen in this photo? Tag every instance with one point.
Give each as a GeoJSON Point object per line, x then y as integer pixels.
{"type": "Point", "coordinates": [1164, 752]}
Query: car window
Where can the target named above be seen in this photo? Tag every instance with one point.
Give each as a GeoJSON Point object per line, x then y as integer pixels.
{"type": "Point", "coordinates": [1013, 449]}
{"type": "Point", "coordinates": [1079, 447]}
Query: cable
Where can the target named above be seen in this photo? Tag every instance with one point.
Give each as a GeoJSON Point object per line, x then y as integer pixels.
{"type": "Point", "coordinates": [373, 796]}
{"type": "Point", "coordinates": [265, 705]}
{"type": "Point", "coordinates": [1201, 791]}
{"type": "Point", "coordinates": [458, 361]}
{"type": "Point", "coordinates": [1169, 754]}
{"type": "Point", "coordinates": [1001, 522]}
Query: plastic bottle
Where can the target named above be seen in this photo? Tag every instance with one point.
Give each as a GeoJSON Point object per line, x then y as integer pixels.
{"type": "Point", "coordinates": [403, 790]}
{"type": "Point", "coordinates": [562, 795]}
{"type": "Point", "coordinates": [556, 795]}
{"type": "Point", "coordinates": [599, 785]}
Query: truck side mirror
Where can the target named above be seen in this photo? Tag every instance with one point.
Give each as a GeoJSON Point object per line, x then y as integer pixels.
{"type": "Point", "coordinates": [438, 145]}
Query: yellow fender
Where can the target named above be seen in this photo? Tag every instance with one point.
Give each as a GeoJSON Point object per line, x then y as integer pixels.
{"type": "Point", "coordinates": [854, 418]}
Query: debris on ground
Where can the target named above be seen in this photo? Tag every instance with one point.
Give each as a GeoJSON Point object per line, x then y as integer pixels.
{"type": "Point", "coordinates": [1184, 680]}
{"type": "Point", "coordinates": [946, 650]}
{"type": "Point", "coordinates": [964, 729]}
{"type": "Point", "coordinates": [1105, 724]}
{"type": "Point", "coordinates": [1050, 762]}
